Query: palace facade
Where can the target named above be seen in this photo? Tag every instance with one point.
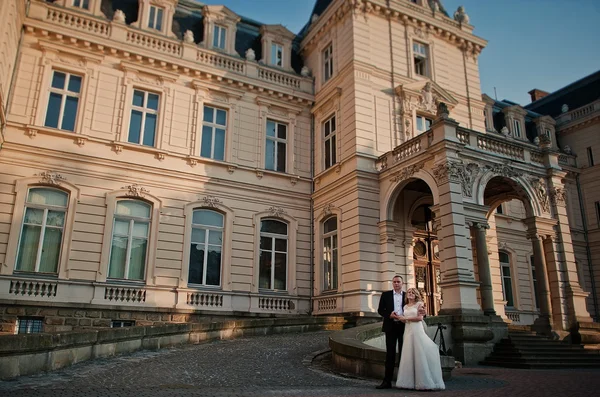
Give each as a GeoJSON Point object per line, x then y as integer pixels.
{"type": "Point", "coordinates": [164, 160]}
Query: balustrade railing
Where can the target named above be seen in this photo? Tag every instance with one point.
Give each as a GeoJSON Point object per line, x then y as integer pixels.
{"type": "Point", "coordinates": [78, 21]}
{"type": "Point", "coordinates": [489, 144]}
{"type": "Point", "coordinates": [407, 149]}
{"type": "Point", "coordinates": [275, 304]}
{"type": "Point", "coordinates": [278, 78]}
{"type": "Point", "coordinates": [125, 294]}
{"type": "Point", "coordinates": [154, 43]}
{"type": "Point", "coordinates": [220, 61]}
{"type": "Point", "coordinates": [326, 304]}
{"type": "Point", "coordinates": [204, 299]}
{"type": "Point", "coordinates": [33, 288]}
{"type": "Point", "coordinates": [578, 113]}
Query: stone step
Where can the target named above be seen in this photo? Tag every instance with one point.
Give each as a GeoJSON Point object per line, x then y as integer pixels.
{"type": "Point", "coordinates": [545, 358]}
{"type": "Point", "coordinates": [544, 352]}
{"type": "Point", "coordinates": [541, 365]}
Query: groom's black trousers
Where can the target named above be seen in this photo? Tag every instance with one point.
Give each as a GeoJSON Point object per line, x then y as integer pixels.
{"type": "Point", "coordinates": [394, 336]}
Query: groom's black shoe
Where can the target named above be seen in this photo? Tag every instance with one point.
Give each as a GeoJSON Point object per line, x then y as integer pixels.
{"type": "Point", "coordinates": [384, 385]}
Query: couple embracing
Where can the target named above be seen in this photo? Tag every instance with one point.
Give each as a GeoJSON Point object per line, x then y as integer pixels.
{"type": "Point", "coordinates": [403, 326]}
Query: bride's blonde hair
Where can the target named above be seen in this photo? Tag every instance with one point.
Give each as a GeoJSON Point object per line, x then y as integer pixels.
{"type": "Point", "coordinates": [417, 294]}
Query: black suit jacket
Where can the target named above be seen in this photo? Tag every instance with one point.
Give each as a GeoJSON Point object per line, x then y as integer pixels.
{"type": "Point", "coordinates": [386, 307]}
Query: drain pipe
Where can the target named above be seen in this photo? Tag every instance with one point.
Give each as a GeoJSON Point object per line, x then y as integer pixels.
{"type": "Point", "coordinates": [312, 218]}
{"type": "Point", "coordinates": [588, 252]}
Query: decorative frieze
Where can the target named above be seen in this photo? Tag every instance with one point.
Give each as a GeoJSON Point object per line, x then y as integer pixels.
{"type": "Point", "coordinates": [211, 201]}
{"type": "Point", "coordinates": [135, 190]}
{"type": "Point", "coordinates": [541, 192]}
{"type": "Point", "coordinates": [457, 171]}
{"type": "Point", "coordinates": [276, 211]}
{"type": "Point", "coordinates": [51, 178]}
{"type": "Point", "coordinates": [407, 172]}
{"type": "Point", "coordinates": [558, 196]}
{"type": "Point", "coordinates": [504, 170]}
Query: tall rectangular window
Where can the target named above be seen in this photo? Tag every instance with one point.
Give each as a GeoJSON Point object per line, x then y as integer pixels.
{"type": "Point", "coordinates": [40, 242]}
{"type": "Point", "coordinates": [144, 115]}
{"type": "Point", "coordinates": [597, 204]}
{"type": "Point", "coordinates": [155, 18]}
{"type": "Point", "coordinates": [516, 128]}
{"type": "Point", "coordinates": [507, 289]}
{"type": "Point", "coordinates": [214, 125]}
{"type": "Point", "coordinates": [63, 101]}
{"type": "Point", "coordinates": [219, 36]}
{"type": "Point", "coordinates": [590, 156]}
{"type": "Point", "coordinates": [276, 146]}
{"type": "Point", "coordinates": [421, 58]}
{"type": "Point", "coordinates": [327, 62]}
{"type": "Point", "coordinates": [276, 55]}
{"type": "Point", "coordinates": [206, 248]}
{"type": "Point", "coordinates": [330, 254]}
{"type": "Point", "coordinates": [273, 255]}
{"type": "Point", "coordinates": [85, 4]}
{"type": "Point", "coordinates": [329, 144]}
{"type": "Point", "coordinates": [130, 240]}
{"type": "Point", "coordinates": [423, 124]}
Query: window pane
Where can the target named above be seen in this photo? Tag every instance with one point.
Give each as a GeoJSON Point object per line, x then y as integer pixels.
{"type": "Point", "coordinates": [28, 247]}
{"type": "Point", "coordinates": [137, 261]}
{"type": "Point", "coordinates": [270, 128]}
{"type": "Point", "coordinates": [327, 128]}
{"type": "Point", "coordinates": [281, 131]}
{"type": "Point", "coordinates": [332, 124]}
{"type": "Point", "coordinates": [56, 218]}
{"type": "Point", "coordinates": [280, 245]}
{"type": "Point", "coordinates": [86, 4]}
{"type": "Point", "coordinates": [133, 208]}
{"type": "Point", "coordinates": [270, 155]}
{"type": "Point", "coordinates": [206, 145]}
{"type": "Point", "coordinates": [149, 130]}
{"type": "Point", "coordinates": [138, 98]}
{"type": "Point", "coordinates": [216, 36]}
{"type": "Point", "coordinates": [159, 19]}
{"type": "Point", "coordinates": [213, 266]}
{"type": "Point", "coordinates": [219, 144]}
{"type": "Point", "coordinates": [68, 121]}
{"type": "Point", "coordinates": [266, 243]}
{"type": "Point", "coordinates": [281, 156]}
{"type": "Point", "coordinates": [280, 270]}
{"type": "Point", "coordinates": [207, 217]}
{"type": "Point", "coordinates": [215, 237]}
{"type": "Point", "coordinates": [121, 228]}
{"type": "Point", "coordinates": [151, 18]}
{"type": "Point", "coordinates": [506, 271]}
{"type": "Point", "coordinates": [53, 111]}
{"type": "Point", "coordinates": [196, 264]}
{"type": "Point", "coordinates": [328, 153]}
{"type": "Point", "coordinates": [222, 41]}
{"type": "Point", "coordinates": [208, 114]}
{"type": "Point", "coordinates": [58, 80]}
{"type": "Point", "coordinates": [118, 253]}
{"type": "Point", "coordinates": [265, 270]}
{"type": "Point", "coordinates": [330, 225]}
{"type": "Point", "coordinates": [334, 269]}
{"type": "Point", "coordinates": [503, 257]}
{"type": "Point", "coordinates": [274, 54]}
{"type": "Point", "coordinates": [221, 117]}
{"type": "Point", "coordinates": [152, 101]}
{"type": "Point", "coordinates": [47, 197]}
{"type": "Point", "coordinates": [333, 146]}
{"type": "Point", "coordinates": [420, 126]}
{"type": "Point", "coordinates": [140, 229]}
{"type": "Point", "coordinates": [51, 250]}
{"type": "Point", "coordinates": [135, 127]}
{"type": "Point", "coordinates": [198, 235]}
{"type": "Point", "coordinates": [33, 216]}
{"type": "Point", "coordinates": [427, 124]}
{"type": "Point", "coordinates": [273, 226]}
{"type": "Point", "coordinates": [74, 84]}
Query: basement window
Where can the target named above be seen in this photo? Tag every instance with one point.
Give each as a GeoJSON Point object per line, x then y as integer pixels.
{"type": "Point", "coordinates": [29, 325]}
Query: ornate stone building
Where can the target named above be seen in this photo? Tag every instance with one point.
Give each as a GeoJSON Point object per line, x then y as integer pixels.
{"type": "Point", "coordinates": [163, 160]}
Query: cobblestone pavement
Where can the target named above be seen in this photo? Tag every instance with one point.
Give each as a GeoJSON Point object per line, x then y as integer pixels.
{"type": "Point", "coordinates": [275, 365]}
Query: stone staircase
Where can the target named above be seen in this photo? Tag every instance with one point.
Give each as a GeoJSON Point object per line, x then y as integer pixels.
{"type": "Point", "coordinates": [524, 349]}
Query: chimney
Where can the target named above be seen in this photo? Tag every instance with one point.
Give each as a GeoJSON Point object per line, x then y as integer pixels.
{"type": "Point", "coordinates": [537, 94]}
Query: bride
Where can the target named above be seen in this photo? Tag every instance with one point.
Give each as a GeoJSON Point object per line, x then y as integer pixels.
{"type": "Point", "coordinates": [420, 367]}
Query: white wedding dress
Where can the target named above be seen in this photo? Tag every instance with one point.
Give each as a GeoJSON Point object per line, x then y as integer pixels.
{"type": "Point", "coordinates": [420, 367]}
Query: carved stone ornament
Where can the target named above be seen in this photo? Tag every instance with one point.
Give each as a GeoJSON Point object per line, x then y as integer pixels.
{"type": "Point", "coordinates": [305, 72]}
{"type": "Point", "coordinates": [504, 170]}
{"type": "Point", "coordinates": [442, 111]}
{"type": "Point", "coordinates": [558, 196]}
{"type": "Point", "coordinates": [407, 172]}
{"type": "Point", "coordinates": [428, 98]}
{"type": "Point", "coordinates": [51, 178]}
{"type": "Point", "coordinates": [188, 37]}
{"type": "Point", "coordinates": [211, 201]}
{"type": "Point", "coordinates": [541, 192]}
{"type": "Point", "coordinates": [504, 131]}
{"type": "Point", "coordinates": [456, 171]}
{"type": "Point", "coordinates": [119, 16]}
{"type": "Point", "coordinates": [276, 211]}
{"type": "Point", "coordinates": [461, 16]}
{"type": "Point", "coordinates": [135, 190]}
{"type": "Point", "coordinates": [328, 209]}
{"type": "Point", "coordinates": [567, 149]}
{"type": "Point", "coordinates": [250, 54]}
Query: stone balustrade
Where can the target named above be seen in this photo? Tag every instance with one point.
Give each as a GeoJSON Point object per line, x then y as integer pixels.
{"type": "Point", "coordinates": [93, 29]}
{"type": "Point", "coordinates": [578, 115]}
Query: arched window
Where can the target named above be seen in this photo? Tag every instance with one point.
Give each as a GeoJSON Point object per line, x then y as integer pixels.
{"type": "Point", "coordinates": [273, 255]}
{"type": "Point", "coordinates": [507, 289]}
{"type": "Point", "coordinates": [330, 254]}
{"type": "Point", "coordinates": [206, 248]}
{"type": "Point", "coordinates": [41, 236]}
{"type": "Point", "coordinates": [129, 244]}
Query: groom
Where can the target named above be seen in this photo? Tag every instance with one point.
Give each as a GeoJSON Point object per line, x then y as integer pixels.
{"type": "Point", "coordinates": [391, 308]}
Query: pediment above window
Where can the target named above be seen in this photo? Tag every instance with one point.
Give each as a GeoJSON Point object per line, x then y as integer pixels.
{"type": "Point", "coordinates": [424, 96]}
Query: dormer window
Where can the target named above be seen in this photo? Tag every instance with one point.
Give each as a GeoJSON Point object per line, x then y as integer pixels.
{"type": "Point", "coordinates": [155, 20]}
{"type": "Point", "coordinates": [421, 58]}
{"type": "Point", "coordinates": [327, 62]}
{"type": "Point", "coordinates": [85, 4]}
{"type": "Point", "coordinates": [219, 37]}
{"type": "Point", "coordinates": [517, 128]}
{"type": "Point", "coordinates": [276, 55]}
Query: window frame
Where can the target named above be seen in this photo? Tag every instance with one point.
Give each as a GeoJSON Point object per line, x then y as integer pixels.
{"type": "Point", "coordinates": [425, 58]}
{"type": "Point", "coordinates": [333, 146]}
{"type": "Point", "coordinates": [331, 284]}
{"type": "Point", "coordinates": [509, 278]}
{"type": "Point", "coordinates": [206, 243]}
{"type": "Point", "coordinates": [64, 93]}
{"type": "Point", "coordinates": [517, 128]}
{"type": "Point", "coordinates": [327, 62]}
{"type": "Point", "coordinates": [276, 140]}
{"type": "Point", "coordinates": [597, 205]}
{"type": "Point", "coordinates": [145, 112]}
{"type": "Point", "coordinates": [274, 251]}
{"type": "Point", "coordinates": [111, 205]}
{"type": "Point", "coordinates": [36, 322]}
{"type": "Point", "coordinates": [214, 126]}
{"type": "Point", "coordinates": [291, 277]}
{"type": "Point", "coordinates": [277, 62]}
{"type": "Point", "coordinates": [82, 4]}
{"type": "Point", "coordinates": [590, 156]}
{"type": "Point", "coordinates": [219, 33]}
{"type": "Point", "coordinates": [425, 120]}
{"type": "Point", "coordinates": [158, 20]}
{"type": "Point", "coordinates": [22, 187]}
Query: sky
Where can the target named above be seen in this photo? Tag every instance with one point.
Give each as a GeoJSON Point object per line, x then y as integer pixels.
{"type": "Point", "coordinates": [544, 44]}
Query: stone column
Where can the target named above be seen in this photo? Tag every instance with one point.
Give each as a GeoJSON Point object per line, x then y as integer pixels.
{"type": "Point", "coordinates": [483, 262]}
{"type": "Point", "coordinates": [543, 323]}
{"type": "Point", "coordinates": [387, 238]}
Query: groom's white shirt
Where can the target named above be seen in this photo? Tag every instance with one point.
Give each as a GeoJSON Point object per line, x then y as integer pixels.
{"type": "Point", "coordinates": [398, 296]}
